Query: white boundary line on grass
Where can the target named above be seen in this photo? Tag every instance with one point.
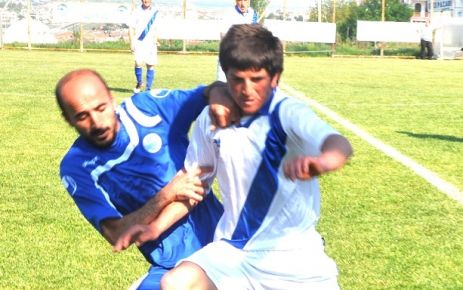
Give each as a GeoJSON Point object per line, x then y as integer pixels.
{"type": "Point", "coordinates": [431, 177]}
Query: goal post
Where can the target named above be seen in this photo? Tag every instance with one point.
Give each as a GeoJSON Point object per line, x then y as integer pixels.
{"type": "Point", "coordinates": [448, 39]}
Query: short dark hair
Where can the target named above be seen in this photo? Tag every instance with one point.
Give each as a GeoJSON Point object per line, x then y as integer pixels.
{"type": "Point", "coordinates": [251, 46]}
{"type": "Point", "coordinates": [70, 76]}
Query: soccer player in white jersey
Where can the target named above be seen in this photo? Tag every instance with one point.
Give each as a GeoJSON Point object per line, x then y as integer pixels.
{"type": "Point", "coordinates": [143, 42]}
{"type": "Point", "coordinates": [241, 13]}
{"type": "Point", "coordinates": [267, 168]}
{"type": "Point", "coordinates": [119, 169]}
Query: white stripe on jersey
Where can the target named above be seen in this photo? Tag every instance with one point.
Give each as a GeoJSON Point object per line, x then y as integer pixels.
{"type": "Point", "coordinates": [134, 140]}
{"type": "Point", "coordinates": [140, 117]}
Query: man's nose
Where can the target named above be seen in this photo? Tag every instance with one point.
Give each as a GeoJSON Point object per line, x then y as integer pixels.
{"type": "Point", "coordinates": [96, 120]}
{"type": "Point", "coordinates": [247, 87]}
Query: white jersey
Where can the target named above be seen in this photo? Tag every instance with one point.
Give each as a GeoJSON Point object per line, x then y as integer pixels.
{"type": "Point", "coordinates": [139, 20]}
{"type": "Point", "coordinates": [426, 33]}
{"type": "Point", "coordinates": [145, 25]}
{"type": "Point", "coordinates": [235, 16]}
{"type": "Point", "coordinates": [263, 209]}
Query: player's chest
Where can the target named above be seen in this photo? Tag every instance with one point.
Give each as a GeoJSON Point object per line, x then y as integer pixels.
{"type": "Point", "coordinates": [242, 143]}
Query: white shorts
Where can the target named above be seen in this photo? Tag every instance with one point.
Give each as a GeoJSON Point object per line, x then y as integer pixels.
{"type": "Point", "coordinates": [145, 53]}
{"type": "Point", "coordinates": [232, 268]}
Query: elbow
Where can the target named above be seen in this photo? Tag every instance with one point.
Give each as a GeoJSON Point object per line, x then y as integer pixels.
{"type": "Point", "coordinates": [340, 144]}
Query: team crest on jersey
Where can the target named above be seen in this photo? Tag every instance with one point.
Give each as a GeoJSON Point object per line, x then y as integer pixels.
{"type": "Point", "coordinates": [69, 183]}
{"type": "Point", "coordinates": [152, 143]}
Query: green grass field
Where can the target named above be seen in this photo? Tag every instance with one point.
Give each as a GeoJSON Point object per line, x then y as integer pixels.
{"type": "Point", "coordinates": [386, 227]}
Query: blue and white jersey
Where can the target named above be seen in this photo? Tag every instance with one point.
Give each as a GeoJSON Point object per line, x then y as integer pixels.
{"type": "Point", "coordinates": [147, 152]}
{"type": "Point", "coordinates": [144, 22]}
{"type": "Point", "coordinates": [235, 16]}
{"type": "Point", "coordinates": [263, 210]}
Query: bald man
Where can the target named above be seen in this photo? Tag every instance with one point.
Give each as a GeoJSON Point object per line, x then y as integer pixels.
{"type": "Point", "coordinates": [125, 166]}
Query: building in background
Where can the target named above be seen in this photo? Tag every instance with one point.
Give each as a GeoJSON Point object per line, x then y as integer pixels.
{"type": "Point", "coordinates": [438, 8]}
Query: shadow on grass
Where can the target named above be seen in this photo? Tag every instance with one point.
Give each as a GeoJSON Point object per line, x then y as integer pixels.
{"type": "Point", "coordinates": [121, 90]}
{"type": "Point", "coordinates": [434, 136]}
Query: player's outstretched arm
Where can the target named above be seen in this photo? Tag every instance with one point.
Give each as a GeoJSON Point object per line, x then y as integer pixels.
{"type": "Point", "coordinates": [335, 152]}
{"type": "Point", "coordinates": [140, 234]}
{"type": "Point", "coordinates": [184, 187]}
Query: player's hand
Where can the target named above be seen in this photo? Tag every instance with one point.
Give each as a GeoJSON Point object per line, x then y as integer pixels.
{"type": "Point", "coordinates": [303, 168]}
{"type": "Point", "coordinates": [188, 184]}
{"type": "Point", "coordinates": [222, 109]}
{"type": "Point", "coordinates": [138, 234]}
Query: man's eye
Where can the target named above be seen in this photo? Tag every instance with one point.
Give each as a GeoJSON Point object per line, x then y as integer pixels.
{"type": "Point", "coordinates": [101, 108]}
{"type": "Point", "coordinates": [80, 117]}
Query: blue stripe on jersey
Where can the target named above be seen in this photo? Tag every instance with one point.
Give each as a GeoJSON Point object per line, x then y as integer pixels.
{"type": "Point", "coordinates": [148, 26]}
{"type": "Point", "coordinates": [265, 184]}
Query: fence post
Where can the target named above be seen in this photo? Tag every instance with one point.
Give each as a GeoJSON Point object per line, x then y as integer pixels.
{"type": "Point", "coordinates": [383, 6]}
{"type": "Point", "coordinates": [184, 18]}
{"type": "Point", "coordinates": [29, 19]}
{"type": "Point", "coordinates": [333, 46]}
{"type": "Point", "coordinates": [81, 29]}
{"type": "Point", "coordinates": [1, 29]}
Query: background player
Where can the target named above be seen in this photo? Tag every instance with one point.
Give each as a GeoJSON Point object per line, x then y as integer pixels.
{"type": "Point", "coordinates": [241, 13]}
{"type": "Point", "coordinates": [143, 42]}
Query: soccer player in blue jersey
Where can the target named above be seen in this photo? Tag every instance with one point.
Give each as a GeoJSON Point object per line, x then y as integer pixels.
{"type": "Point", "coordinates": [119, 170]}
{"type": "Point", "coordinates": [267, 167]}
{"type": "Point", "coordinates": [143, 42]}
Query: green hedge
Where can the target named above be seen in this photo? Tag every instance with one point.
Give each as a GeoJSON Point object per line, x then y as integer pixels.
{"type": "Point", "coordinates": [310, 49]}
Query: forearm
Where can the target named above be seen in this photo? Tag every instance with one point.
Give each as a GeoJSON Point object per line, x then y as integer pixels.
{"type": "Point", "coordinates": [330, 161]}
{"type": "Point", "coordinates": [336, 150]}
{"type": "Point", "coordinates": [211, 87]}
{"type": "Point", "coordinates": [183, 187]}
{"type": "Point", "coordinates": [140, 233]}
{"type": "Point", "coordinates": [113, 228]}
{"type": "Point", "coordinates": [169, 216]}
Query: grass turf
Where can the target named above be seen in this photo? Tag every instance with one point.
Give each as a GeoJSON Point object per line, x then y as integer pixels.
{"type": "Point", "coordinates": [386, 227]}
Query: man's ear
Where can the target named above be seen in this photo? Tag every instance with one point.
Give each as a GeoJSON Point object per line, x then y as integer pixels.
{"type": "Point", "coordinates": [113, 100]}
{"type": "Point", "coordinates": [275, 80]}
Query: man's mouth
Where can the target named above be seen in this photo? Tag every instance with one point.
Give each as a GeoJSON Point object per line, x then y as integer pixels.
{"type": "Point", "coordinates": [99, 133]}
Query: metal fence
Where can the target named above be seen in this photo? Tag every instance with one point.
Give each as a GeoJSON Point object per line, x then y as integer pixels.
{"type": "Point", "coordinates": [35, 23]}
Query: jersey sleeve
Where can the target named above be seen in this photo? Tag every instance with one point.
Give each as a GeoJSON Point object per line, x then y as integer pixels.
{"type": "Point", "coordinates": [201, 151]}
{"type": "Point", "coordinates": [92, 202]}
{"type": "Point", "coordinates": [304, 126]}
{"type": "Point", "coordinates": [173, 105]}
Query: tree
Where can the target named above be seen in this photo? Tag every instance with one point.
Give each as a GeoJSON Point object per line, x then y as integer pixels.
{"type": "Point", "coordinates": [371, 10]}
{"type": "Point", "coordinates": [347, 24]}
{"type": "Point", "coordinates": [259, 6]}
